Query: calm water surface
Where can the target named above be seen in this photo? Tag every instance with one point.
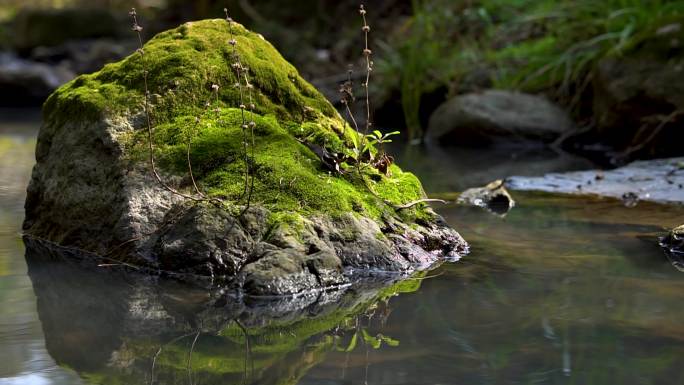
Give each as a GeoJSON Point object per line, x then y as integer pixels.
{"type": "Point", "coordinates": [563, 290]}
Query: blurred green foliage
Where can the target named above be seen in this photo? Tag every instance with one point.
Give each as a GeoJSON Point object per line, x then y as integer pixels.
{"type": "Point", "coordinates": [531, 45]}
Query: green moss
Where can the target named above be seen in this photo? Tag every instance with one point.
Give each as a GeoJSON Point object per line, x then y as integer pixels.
{"type": "Point", "coordinates": [183, 63]}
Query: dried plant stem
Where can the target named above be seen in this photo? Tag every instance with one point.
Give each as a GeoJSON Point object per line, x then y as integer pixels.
{"type": "Point", "coordinates": [198, 119]}
{"type": "Point", "coordinates": [241, 73]}
{"type": "Point", "coordinates": [351, 117]}
{"type": "Point", "coordinates": [369, 68]}
{"type": "Point", "coordinates": [239, 70]}
{"type": "Point", "coordinates": [190, 135]}
{"type": "Point", "coordinates": [413, 203]}
{"type": "Point", "coordinates": [248, 349]}
{"type": "Point", "coordinates": [192, 176]}
{"type": "Point", "coordinates": [192, 348]}
{"type": "Point", "coordinates": [154, 358]}
{"type": "Point", "coordinates": [137, 29]}
{"type": "Point", "coordinates": [662, 122]}
{"type": "Point", "coordinates": [251, 125]}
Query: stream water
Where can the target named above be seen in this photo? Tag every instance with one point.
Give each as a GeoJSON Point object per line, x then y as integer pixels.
{"type": "Point", "coordinates": [562, 290]}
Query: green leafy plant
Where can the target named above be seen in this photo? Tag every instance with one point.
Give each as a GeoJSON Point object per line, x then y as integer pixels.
{"type": "Point", "coordinates": [364, 153]}
{"type": "Point", "coordinates": [549, 46]}
{"type": "Point", "coordinates": [377, 137]}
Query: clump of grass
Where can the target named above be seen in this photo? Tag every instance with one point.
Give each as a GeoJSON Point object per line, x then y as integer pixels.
{"type": "Point", "coordinates": [579, 34]}
{"type": "Point", "coordinates": [423, 59]}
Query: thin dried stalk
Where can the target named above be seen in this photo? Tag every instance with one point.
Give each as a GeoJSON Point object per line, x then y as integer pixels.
{"type": "Point", "coordinates": [138, 29]}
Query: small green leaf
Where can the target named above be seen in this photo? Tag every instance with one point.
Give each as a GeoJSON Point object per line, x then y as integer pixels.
{"type": "Point", "coordinates": [352, 344]}
{"type": "Point", "coordinates": [389, 341]}
{"type": "Point", "coordinates": [374, 342]}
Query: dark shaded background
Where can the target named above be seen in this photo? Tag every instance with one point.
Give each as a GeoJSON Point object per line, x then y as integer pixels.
{"type": "Point", "coordinates": [614, 65]}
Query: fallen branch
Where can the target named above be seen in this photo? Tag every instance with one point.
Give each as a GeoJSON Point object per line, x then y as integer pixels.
{"type": "Point", "coordinates": [662, 120]}
{"type": "Point", "coordinates": [413, 203]}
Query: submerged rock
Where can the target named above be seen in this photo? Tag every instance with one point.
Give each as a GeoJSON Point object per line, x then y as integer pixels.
{"type": "Point", "coordinates": [660, 180]}
{"type": "Point", "coordinates": [494, 197]}
{"type": "Point", "coordinates": [674, 241]}
{"type": "Point", "coordinates": [269, 215]}
{"type": "Point", "coordinates": [482, 118]}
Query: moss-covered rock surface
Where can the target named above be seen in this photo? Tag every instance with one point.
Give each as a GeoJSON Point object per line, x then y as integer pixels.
{"type": "Point", "coordinates": [268, 213]}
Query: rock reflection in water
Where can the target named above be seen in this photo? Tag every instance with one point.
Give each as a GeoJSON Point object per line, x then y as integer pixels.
{"type": "Point", "coordinates": [115, 327]}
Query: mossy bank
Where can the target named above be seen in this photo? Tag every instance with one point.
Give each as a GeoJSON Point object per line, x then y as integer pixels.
{"type": "Point", "coordinates": [273, 218]}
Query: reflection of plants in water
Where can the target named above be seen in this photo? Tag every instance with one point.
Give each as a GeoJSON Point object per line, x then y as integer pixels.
{"type": "Point", "coordinates": [272, 352]}
{"type": "Point", "coordinates": [157, 332]}
{"type": "Point", "coordinates": [361, 333]}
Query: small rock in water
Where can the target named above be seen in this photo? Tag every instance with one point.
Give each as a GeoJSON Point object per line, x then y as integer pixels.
{"type": "Point", "coordinates": [630, 199]}
{"type": "Point", "coordinates": [653, 180]}
{"type": "Point", "coordinates": [673, 245]}
{"type": "Point", "coordinates": [674, 241]}
{"type": "Point", "coordinates": [494, 197]}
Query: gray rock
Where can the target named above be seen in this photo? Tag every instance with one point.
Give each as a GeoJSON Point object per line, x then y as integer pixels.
{"type": "Point", "coordinates": [287, 271]}
{"type": "Point", "coordinates": [203, 239]}
{"type": "Point", "coordinates": [26, 82]}
{"type": "Point", "coordinates": [481, 118]}
{"type": "Point", "coordinates": [83, 56]}
{"type": "Point", "coordinates": [494, 197]}
{"type": "Point", "coordinates": [660, 180]}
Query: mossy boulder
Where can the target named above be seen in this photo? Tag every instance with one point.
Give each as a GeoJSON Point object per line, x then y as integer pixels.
{"type": "Point", "coordinates": [271, 217]}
